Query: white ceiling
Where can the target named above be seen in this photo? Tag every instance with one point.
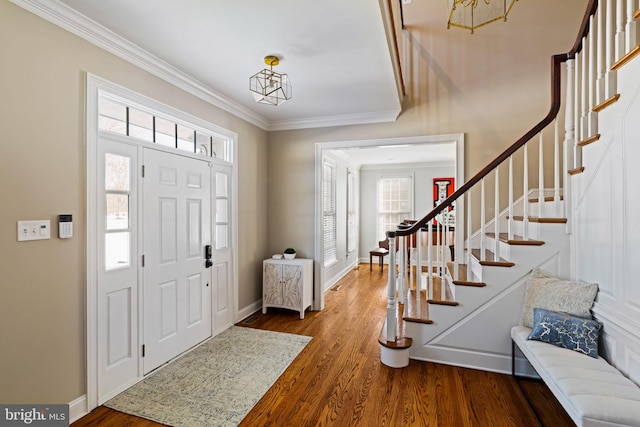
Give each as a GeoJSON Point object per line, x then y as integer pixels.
{"type": "Point", "coordinates": [335, 52]}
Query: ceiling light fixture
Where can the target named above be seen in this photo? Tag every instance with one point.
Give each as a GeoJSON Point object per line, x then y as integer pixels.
{"type": "Point", "coordinates": [472, 14]}
{"type": "Point", "coordinates": [269, 87]}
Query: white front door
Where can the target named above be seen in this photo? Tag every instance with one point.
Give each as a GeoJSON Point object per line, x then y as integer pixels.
{"type": "Point", "coordinates": [176, 231]}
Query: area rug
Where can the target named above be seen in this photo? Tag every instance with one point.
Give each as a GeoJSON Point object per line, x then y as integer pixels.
{"type": "Point", "coordinates": [217, 383]}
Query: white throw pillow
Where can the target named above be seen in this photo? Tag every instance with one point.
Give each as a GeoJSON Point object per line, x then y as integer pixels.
{"type": "Point", "coordinates": [551, 293]}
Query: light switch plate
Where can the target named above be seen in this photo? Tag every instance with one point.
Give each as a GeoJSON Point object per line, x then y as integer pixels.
{"type": "Point", "coordinates": [34, 230]}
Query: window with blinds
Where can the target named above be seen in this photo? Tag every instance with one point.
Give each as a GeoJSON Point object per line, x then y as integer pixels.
{"type": "Point", "coordinates": [352, 213]}
{"type": "Point", "coordinates": [329, 212]}
{"type": "Point", "coordinates": [395, 202]}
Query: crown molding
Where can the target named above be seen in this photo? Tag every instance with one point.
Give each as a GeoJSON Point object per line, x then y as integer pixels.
{"type": "Point", "coordinates": [330, 121]}
{"type": "Point", "coordinates": [67, 18]}
{"type": "Point", "coordinates": [63, 16]}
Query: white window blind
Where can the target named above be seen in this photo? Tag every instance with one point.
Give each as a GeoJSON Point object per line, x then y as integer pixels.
{"type": "Point", "coordinates": [395, 201]}
{"type": "Point", "coordinates": [329, 212]}
{"type": "Point", "coordinates": [352, 213]}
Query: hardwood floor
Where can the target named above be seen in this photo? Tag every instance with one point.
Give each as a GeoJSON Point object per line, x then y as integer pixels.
{"type": "Point", "coordinates": [338, 380]}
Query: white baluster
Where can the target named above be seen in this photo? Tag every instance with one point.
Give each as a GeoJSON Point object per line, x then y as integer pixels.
{"type": "Point", "coordinates": [483, 222]}
{"type": "Point", "coordinates": [419, 244]}
{"type": "Point", "coordinates": [556, 168]}
{"type": "Point", "coordinates": [620, 37]}
{"type": "Point", "coordinates": [391, 294]}
{"type": "Point", "coordinates": [540, 175]}
{"type": "Point", "coordinates": [525, 194]}
{"type": "Point", "coordinates": [577, 158]}
{"type": "Point", "coordinates": [601, 54]}
{"type": "Point", "coordinates": [469, 233]}
{"type": "Point", "coordinates": [569, 139]}
{"type": "Point", "coordinates": [402, 268]}
{"type": "Point", "coordinates": [430, 260]}
{"type": "Point", "coordinates": [611, 85]}
{"type": "Point", "coordinates": [584, 90]}
{"type": "Point", "coordinates": [510, 213]}
{"type": "Point", "coordinates": [443, 282]}
{"type": "Point", "coordinates": [591, 83]}
{"type": "Point", "coordinates": [496, 216]}
{"type": "Point", "coordinates": [632, 31]}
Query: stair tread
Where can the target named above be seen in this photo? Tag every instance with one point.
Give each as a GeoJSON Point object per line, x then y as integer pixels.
{"type": "Point", "coordinates": [549, 220]}
{"type": "Point", "coordinates": [490, 259]}
{"type": "Point", "coordinates": [517, 240]}
{"type": "Point", "coordinates": [463, 279]}
{"type": "Point", "coordinates": [417, 309]}
{"type": "Point", "coordinates": [546, 199]}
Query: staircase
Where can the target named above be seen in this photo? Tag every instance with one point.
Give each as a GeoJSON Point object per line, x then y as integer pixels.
{"type": "Point", "coordinates": [460, 311]}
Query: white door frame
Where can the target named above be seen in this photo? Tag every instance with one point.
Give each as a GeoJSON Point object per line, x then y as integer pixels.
{"type": "Point", "coordinates": [457, 138]}
{"type": "Point", "coordinates": [95, 84]}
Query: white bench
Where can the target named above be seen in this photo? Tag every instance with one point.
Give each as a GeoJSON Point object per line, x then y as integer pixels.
{"type": "Point", "coordinates": [593, 392]}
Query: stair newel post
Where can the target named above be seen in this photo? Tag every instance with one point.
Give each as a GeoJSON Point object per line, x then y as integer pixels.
{"type": "Point", "coordinates": [496, 215]}
{"type": "Point", "coordinates": [483, 256]}
{"type": "Point", "coordinates": [540, 175]}
{"type": "Point", "coordinates": [469, 233]}
{"type": "Point", "coordinates": [525, 193]}
{"type": "Point", "coordinates": [510, 213]}
{"type": "Point", "coordinates": [556, 168]}
{"type": "Point", "coordinates": [391, 287]}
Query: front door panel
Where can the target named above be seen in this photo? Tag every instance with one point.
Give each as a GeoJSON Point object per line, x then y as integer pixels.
{"type": "Point", "coordinates": [177, 284]}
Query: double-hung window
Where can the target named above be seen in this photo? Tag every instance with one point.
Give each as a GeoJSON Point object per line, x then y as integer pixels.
{"type": "Point", "coordinates": [395, 202]}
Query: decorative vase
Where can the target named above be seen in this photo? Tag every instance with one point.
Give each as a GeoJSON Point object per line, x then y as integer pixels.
{"type": "Point", "coordinates": [290, 256]}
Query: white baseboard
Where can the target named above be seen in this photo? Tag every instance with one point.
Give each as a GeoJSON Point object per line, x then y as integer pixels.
{"type": "Point", "coordinates": [249, 310]}
{"type": "Point", "coordinates": [78, 408]}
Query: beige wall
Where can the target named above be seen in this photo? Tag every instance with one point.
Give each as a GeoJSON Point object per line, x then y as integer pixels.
{"type": "Point", "coordinates": [493, 86]}
{"type": "Point", "coordinates": [42, 161]}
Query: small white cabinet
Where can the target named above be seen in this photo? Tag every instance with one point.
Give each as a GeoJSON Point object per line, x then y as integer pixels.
{"type": "Point", "coordinates": [287, 283]}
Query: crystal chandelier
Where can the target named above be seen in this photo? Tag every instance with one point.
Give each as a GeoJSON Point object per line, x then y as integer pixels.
{"type": "Point", "coordinates": [471, 14]}
{"type": "Point", "coordinates": [269, 87]}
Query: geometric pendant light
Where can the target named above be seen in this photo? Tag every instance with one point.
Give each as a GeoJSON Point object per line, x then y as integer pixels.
{"type": "Point", "coordinates": [269, 87]}
{"type": "Point", "coordinates": [471, 14]}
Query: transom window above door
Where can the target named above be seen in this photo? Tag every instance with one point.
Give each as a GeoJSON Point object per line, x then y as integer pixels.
{"type": "Point", "coordinates": [121, 117]}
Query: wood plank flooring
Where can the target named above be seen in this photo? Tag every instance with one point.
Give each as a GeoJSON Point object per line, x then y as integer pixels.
{"type": "Point", "coordinates": [338, 380]}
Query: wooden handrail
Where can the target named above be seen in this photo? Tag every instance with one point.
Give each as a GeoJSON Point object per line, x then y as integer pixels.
{"type": "Point", "coordinates": [556, 97]}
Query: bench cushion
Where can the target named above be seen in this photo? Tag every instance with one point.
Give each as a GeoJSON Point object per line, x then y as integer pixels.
{"type": "Point", "coordinates": [593, 392]}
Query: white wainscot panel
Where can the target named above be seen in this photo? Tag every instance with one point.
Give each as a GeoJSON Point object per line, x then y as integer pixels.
{"type": "Point", "coordinates": [594, 230]}
{"type": "Point", "coordinates": [631, 205]}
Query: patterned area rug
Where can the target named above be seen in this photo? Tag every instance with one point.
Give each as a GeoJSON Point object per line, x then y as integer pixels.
{"type": "Point", "coordinates": [216, 384]}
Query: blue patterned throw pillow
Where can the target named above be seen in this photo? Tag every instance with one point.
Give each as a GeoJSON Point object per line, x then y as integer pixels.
{"type": "Point", "coordinates": [565, 330]}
